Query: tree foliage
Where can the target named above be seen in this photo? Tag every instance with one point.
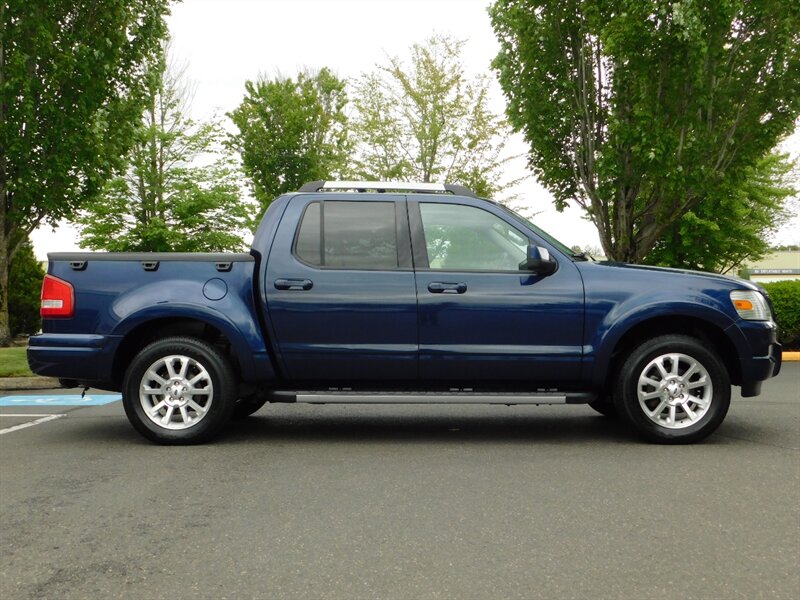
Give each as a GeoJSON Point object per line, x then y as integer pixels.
{"type": "Point", "coordinates": [71, 76]}
{"type": "Point", "coordinates": [643, 111]}
{"type": "Point", "coordinates": [292, 131]}
{"type": "Point", "coordinates": [426, 120]}
{"type": "Point", "coordinates": [726, 230]}
{"type": "Point", "coordinates": [24, 292]}
{"type": "Point", "coordinates": [180, 191]}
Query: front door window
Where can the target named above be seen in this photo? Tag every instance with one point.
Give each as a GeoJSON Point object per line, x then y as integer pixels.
{"type": "Point", "coordinates": [465, 238]}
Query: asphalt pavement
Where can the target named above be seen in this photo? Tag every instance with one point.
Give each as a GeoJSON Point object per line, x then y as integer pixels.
{"type": "Point", "coordinates": [308, 501]}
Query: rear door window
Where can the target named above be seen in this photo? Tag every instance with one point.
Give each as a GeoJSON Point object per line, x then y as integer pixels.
{"type": "Point", "coordinates": [348, 235]}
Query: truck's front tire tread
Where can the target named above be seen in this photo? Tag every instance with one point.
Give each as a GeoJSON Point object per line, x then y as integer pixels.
{"type": "Point", "coordinates": [695, 357]}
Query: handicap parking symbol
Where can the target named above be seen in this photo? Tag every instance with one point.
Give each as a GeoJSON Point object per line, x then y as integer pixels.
{"type": "Point", "coordinates": [60, 400]}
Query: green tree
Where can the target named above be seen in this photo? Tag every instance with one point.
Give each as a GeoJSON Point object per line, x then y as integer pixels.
{"type": "Point", "coordinates": [71, 73]}
{"type": "Point", "coordinates": [426, 120]}
{"type": "Point", "coordinates": [180, 191]}
{"type": "Point", "coordinates": [24, 291]}
{"type": "Point", "coordinates": [642, 111]}
{"type": "Point", "coordinates": [725, 231]}
{"type": "Point", "coordinates": [291, 132]}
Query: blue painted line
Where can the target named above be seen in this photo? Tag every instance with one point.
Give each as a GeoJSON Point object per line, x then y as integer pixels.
{"type": "Point", "coordinates": [60, 400]}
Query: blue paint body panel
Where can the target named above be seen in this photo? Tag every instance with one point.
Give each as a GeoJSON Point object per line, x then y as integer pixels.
{"type": "Point", "coordinates": [384, 328]}
{"type": "Point", "coordinates": [508, 326]}
{"type": "Point", "coordinates": [620, 297]}
{"type": "Point", "coordinates": [351, 325]}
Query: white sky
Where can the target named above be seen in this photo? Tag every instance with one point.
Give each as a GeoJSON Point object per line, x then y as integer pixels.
{"type": "Point", "coordinates": [226, 42]}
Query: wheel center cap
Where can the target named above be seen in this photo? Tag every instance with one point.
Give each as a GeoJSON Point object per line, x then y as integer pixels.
{"type": "Point", "coordinates": [176, 390]}
{"type": "Point", "coordinates": [673, 390]}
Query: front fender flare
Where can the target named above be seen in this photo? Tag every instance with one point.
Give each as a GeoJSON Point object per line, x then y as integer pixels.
{"type": "Point", "coordinates": [617, 323]}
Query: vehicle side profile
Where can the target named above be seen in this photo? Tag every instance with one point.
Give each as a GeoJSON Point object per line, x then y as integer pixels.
{"type": "Point", "coordinates": [379, 292]}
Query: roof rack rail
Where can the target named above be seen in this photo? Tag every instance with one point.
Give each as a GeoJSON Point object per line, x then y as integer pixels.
{"type": "Point", "coordinates": [384, 186]}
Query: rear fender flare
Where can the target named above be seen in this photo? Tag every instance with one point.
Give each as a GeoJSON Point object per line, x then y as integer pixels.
{"type": "Point", "coordinates": [244, 343]}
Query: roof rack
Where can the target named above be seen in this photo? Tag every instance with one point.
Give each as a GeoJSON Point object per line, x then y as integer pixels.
{"type": "Point", "coordinates": [384, 186]}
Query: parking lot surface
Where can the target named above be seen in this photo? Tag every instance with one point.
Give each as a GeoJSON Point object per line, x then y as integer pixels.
{"type": "Point", "coordinates": [304, 501]}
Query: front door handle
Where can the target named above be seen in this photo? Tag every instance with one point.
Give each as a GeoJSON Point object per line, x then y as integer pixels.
{"type": "Point", "coordinates": [294, 284]}
{"type": "Point", "coordinates": [440, 287]}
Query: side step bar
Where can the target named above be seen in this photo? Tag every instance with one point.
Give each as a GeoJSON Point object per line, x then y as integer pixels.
{"type": "Point", "coordinates": [351, 397]}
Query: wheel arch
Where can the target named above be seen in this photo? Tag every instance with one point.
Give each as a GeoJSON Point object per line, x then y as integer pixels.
{"type": "Point", "coordinates": [696, 327]}
{"type": "Point", "coordinates": [141, 329]}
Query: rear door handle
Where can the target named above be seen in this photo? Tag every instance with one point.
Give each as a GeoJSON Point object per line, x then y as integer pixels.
{"type": "Point", "coordinates": [294, 284]}
{"type": "Point", "coordinates": [441, 287]}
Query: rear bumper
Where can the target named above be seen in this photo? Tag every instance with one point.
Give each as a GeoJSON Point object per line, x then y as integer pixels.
{"type": "Point", "coordinates": [73, 356]}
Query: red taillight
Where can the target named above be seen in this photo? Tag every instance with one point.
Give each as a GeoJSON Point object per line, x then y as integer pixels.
{"type": "Point", "coordinates": [58, 298]}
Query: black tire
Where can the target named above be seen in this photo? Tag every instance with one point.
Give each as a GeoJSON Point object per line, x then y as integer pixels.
{"type": "Point", "coordinates": [605, 406]}
{"type": "Point", "coordinates": [247, 406]}
{"type": "Point", "coordinates": [706, 406]}
{"type": "Point", "coordinates": [210, 408]}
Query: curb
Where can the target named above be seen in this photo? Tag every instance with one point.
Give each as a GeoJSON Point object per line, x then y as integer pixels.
{"type": "Point", "coordinates": [791, 356]}
{"type": "Point", "coordinates": [12, 384]}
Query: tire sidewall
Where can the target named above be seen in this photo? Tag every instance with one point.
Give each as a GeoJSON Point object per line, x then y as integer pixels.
{"type": "Point", "coordinates": [627, 400]}
{"type": "Point", "coordinates": [221, 376]}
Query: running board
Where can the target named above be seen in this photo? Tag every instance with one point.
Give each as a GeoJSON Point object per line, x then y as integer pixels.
{"type": "Point", "coordinates": [350, 397]}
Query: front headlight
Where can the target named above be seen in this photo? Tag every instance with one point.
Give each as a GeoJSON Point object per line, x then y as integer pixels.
{"type": "Point", "coordinates": [751, 305]}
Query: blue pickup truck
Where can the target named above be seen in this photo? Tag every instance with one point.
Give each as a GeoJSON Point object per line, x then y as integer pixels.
{"type": "Point", "coordinates": [375, 292]}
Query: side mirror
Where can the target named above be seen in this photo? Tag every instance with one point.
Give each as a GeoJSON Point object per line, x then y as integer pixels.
{"type": "Point", "coordinates": [539, 261]}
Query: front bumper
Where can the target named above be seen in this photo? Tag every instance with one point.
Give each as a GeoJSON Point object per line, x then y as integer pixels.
{"type": "Point", "coordinates": [760, 354]}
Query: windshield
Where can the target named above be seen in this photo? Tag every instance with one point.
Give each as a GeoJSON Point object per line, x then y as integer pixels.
{"type": "Point", "coordinates": [563, 247]}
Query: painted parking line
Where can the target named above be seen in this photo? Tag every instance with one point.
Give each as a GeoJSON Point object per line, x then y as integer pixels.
{"type": "Point", "coordinates": [31, 423]}
{"type": "Point", "coordinates": [60, 400]}
{"type": "Point", "coordinates": [23, 415]}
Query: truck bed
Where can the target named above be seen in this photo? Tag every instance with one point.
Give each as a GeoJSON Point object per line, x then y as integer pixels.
{"type": "Point", "coordinates": [116, 293]}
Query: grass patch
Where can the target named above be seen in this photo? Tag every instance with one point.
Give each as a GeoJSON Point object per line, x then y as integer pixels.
{"type": "Point", "coordinates": [14, 363]}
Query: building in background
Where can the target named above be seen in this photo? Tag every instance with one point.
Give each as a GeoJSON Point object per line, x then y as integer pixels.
{"type": "Point", "coordinates": [778, 266]}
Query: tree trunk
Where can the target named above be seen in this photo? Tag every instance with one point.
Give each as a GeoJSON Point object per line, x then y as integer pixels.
{"type": "Point", "coordinates": [10, 243]}
{"type": "Point", "coordinates": [5, 262]}
{"type": "Point", "coordinates": [5, 326]}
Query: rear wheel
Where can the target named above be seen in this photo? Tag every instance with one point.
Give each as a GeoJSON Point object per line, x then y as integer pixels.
{"type": "Point", "coordinates": [179, 391]}
{"type": "Point", "coordinates": [673, 390]}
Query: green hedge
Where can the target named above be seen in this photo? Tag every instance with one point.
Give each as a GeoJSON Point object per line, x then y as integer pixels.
{"type": "Point", "coordinates": [785, 297]}
{"type": "Point", "coordinates": [24, 287]}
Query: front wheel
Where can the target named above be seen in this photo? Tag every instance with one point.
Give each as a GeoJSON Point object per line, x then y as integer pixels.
{"type": "Point", "coordinates": [179, 391]}
{"type": "Point", "coordinates": [673, 390]}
